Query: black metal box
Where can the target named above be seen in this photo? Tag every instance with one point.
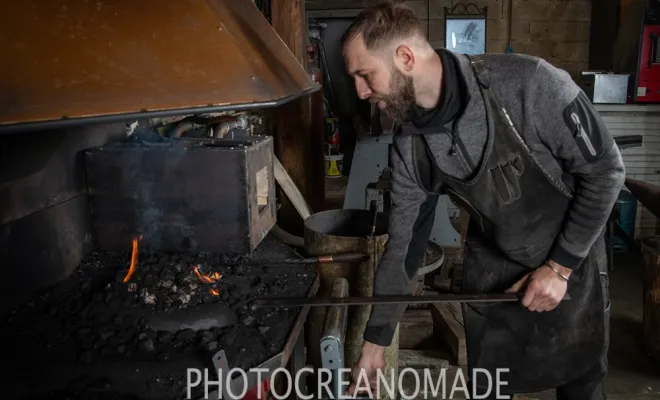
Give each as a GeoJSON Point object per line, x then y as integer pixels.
{"type": "Point", "coordinates": [182, 194]}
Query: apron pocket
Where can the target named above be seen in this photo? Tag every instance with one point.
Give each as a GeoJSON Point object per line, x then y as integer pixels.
{"type": "Point", "coordinates": [504, 180]}
{"type": "Point", "coordinates": [532, 254]}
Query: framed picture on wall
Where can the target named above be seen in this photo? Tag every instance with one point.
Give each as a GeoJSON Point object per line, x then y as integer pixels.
{"type": "Point", "coordinates": [465, 29]}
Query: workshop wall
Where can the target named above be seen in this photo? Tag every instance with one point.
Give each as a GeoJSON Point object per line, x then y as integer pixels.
{"type": "Point", "coordinates": [45, 222]}
{"type": "Point", "coordinates": [642, 163]}
{"type": "Point", "coordinates": [557, 31]}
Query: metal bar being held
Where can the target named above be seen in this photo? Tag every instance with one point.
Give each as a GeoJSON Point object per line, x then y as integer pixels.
{"type": "Point", "coordinates": [402, 299]}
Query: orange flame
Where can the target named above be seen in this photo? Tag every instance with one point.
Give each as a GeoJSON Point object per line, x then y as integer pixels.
{"type": "Point", "coordinates": [209, 278]}
{"type": "Point", "coordinates": [203, 278]}
{"type": "Point", "coordinates": [134, 257]}
{"type": "Point", "coordinates": [212, 278]}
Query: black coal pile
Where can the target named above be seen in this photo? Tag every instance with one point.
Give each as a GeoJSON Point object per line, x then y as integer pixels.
{"type": "Point", "coordinates": [107, 331]}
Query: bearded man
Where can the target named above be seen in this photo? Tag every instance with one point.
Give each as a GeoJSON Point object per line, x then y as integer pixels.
{"type": "Point", "coordinates": [514, 141]}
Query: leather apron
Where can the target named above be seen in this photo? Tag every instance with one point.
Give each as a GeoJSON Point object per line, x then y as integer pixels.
{"type": "Point", "coordinates": [517, 211]}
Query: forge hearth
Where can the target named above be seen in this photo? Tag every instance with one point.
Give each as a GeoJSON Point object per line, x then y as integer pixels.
{"type": "Point", "coordinates": [182, 194]}
{"type": "Point", "coordinates": [105, 331]}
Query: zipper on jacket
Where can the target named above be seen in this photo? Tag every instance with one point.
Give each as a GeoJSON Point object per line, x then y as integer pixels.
{"type": "Point", "coordinates": [580, 132]}
{"type": "Point", "coordinates": [452, 149]}
{"type": "Point", "coordinates": [457, 140]}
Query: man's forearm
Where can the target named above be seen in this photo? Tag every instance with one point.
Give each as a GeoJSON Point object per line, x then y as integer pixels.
{"type": "Point", "coordinates": [398, 267]}
{"type": "Point", "coordinates": [590, 210]}
{"type": "Point", "coordinates": [567, 122]}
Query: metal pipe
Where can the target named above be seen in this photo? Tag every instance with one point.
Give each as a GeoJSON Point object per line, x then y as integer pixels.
{"type": "Point", "coordinates": [223, 128]}
{"type": "Point", "coordinates": [646, 193]}
{"type": "Point", "coordinates": [335, 318]}
{"type": "Point", "coordinates": [333, 337]}
{"type": "Point", "coordinates": [182, 128]}
{"type": "Point", "coordinates": [286, 237]}
{"type": "Point", "coordinates": [627, 141]}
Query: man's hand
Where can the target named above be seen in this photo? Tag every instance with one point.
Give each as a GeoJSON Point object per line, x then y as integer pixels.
{"type": "Point", "coordinates": [371, 360]}
{"type": "Point", "coordinates": [545, 289]}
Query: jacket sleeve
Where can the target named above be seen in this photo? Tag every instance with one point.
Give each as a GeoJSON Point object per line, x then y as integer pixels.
{"type": "Point", "coordinates": [411, 219]}
{"type": "Point", "coordinates": [570, 126]}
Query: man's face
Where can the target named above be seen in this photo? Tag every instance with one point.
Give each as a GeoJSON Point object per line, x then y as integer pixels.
{"type": "Point", "coordinates": [379, 80]}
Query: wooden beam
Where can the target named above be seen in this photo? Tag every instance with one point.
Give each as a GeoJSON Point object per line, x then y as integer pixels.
{"type": "Point", "coordinates": [418, 328]}
{"type": "Point", "coordinates": [288, 20]}
{"type": "Point", "coordinates": [448, 324]}
{"type": "Point", "coordinates": [295, 128]}
{"type": "Point", "coordinates": [290, 126]}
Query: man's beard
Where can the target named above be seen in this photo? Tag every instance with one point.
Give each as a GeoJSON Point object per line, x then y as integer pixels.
{"type": "Point", "coordinates": [400, 103]}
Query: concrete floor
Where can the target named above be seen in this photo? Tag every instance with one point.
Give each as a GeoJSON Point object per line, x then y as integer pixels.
{"type": "Point", "coordinates": [632, 375]}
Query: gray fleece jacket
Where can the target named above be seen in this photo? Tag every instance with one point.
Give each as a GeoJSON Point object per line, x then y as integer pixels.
{"type": "Point", "coordinates": [560, 126]}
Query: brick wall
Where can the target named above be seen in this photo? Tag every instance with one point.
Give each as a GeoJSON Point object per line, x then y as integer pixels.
{"type": "Point", "coordinates": [556, 30]}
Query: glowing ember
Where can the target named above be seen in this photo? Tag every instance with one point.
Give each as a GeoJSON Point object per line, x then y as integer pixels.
{"type": "Point", "coordinates": [208, 278]}
{"type": "Point", "coordinates": [134, 257]}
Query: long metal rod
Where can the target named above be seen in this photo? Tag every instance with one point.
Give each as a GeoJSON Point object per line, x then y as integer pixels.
{"type": "Point", "coordinates": [276, 302]}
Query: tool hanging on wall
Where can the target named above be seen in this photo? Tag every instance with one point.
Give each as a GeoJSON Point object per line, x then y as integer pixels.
{"type": "Point", "coordinates": [509, 47]}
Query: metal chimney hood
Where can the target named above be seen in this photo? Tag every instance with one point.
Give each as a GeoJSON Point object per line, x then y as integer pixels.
{"type": "Point", "coordinates": [72, 62]}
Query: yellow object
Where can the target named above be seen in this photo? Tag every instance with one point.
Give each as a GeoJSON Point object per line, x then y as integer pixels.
{"type": "Point", "coordinates": [333, 165]}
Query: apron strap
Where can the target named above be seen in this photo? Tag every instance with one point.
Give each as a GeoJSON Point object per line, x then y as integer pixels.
{"type": "Point", "coordinates": [480, 71]}
{"type": "Point", "coordinates": [423, 163]}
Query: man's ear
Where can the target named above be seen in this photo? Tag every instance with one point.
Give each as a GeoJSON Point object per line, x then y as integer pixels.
{"type": "Point", "coordinates": [405, 58]}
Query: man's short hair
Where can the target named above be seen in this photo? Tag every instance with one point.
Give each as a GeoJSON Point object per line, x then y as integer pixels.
{"type": "Point", "coordinates": [380, 24]}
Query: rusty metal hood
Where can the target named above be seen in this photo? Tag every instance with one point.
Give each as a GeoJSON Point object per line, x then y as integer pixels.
{"type": "Point", "coordinates": [80, 61]}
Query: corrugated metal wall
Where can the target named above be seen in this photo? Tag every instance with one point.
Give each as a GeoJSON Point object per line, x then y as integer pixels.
{"type": "Point", "coordinates": [642, 163]}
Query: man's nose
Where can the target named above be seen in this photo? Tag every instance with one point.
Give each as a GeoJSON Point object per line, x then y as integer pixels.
{"type": "Point", "coordinates": [362, 90]}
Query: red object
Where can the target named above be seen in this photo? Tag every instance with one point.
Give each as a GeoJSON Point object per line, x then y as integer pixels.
{"type": "Point", "coordinates": [624, 40]}
{"type": "Point", "coordinates": [648, 84]}
{"type": "Point", "coordinates": [255, 394]}
{"type": "Point", "coordinates": [334, 139]}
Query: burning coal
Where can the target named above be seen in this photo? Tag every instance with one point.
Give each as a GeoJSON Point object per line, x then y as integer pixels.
{"type": "Point", "coordinates": [174, 286]}
{"type": "Point", "coordinates": [208, 278]}
{"type": "Point", "coordinates": [101, 322]}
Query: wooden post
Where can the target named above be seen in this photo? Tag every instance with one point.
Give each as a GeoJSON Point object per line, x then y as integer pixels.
{"type": "Point", "coordinates": [289, 21]}
{"type": "Point", "coordinates": [293, 128]}
{"type": "Point", "coordinates": [651, 304]}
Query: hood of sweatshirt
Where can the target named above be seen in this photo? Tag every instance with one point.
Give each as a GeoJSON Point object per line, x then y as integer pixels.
{"type": "Point", "coordinates": [454, 97]}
